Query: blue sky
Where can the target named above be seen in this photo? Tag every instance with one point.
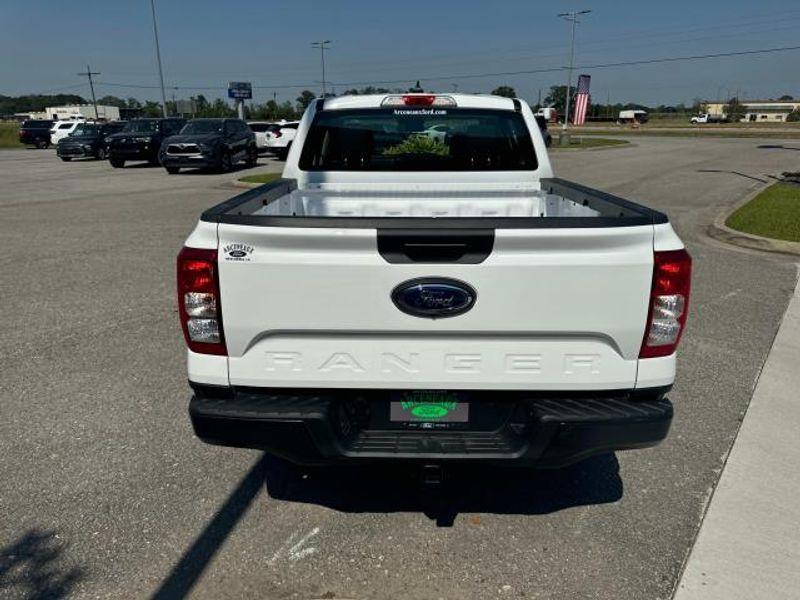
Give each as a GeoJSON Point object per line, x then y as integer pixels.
{"type": "Point", "coordinates": [44, 43]}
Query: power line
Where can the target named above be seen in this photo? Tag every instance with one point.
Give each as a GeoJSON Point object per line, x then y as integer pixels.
{"type": "Point", "coordinates": [595, 66]}
{"type": "Point", "coordinates": [608, 65]}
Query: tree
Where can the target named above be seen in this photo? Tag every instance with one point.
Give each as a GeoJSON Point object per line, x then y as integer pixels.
{"type": "Point", "coordinates": [305, 98]}
{"type": "Point", "coordinates": [735, 111]}
{"type": "Point", "coordinates": [793, 116]}
{"type": "Point", "coordinates": [504, 90]}
{"type": "Point", "coordinates": [557, 98]}
{"type": "Point", "coordinates": [112, 101]}
{"type": "Point", "coordinates": [151, 109]}
{"type": "Point", "coordinates": [786, 98]}
{"type": "Point", "coordinates": [367, 90]}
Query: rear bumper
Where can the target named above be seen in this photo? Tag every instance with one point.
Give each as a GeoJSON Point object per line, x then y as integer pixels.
{"type": "Point", "coordinates": [74, 151]}
{"type": "Point", "coordinates": [197, 161]}
{"type": "Point", "coordinates": [133, 152]}
{"type": "Point", "coordinates": [335, 426]}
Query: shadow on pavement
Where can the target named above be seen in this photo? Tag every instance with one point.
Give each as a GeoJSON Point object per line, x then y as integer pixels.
{"type": "Point", "coordinates": [29, 568]}
{"type": "Point", "coordinates": [394, 489]}
{"type": "Point", "coordinates": [745, 175]}
{"type": "Point", "coordinates": [462, 490]}
{"type": "Point", "coordinates": [194, 561]}
{"type": "Point", "coordinates": [777, 147]}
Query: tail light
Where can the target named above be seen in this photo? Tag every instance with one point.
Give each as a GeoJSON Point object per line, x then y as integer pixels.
{"type": "Point", "coordinates": [198, 301]}
{"type": "Point", "coordinates": [277, 133]}
{"type": "Point", "coordinates": [669, 303]}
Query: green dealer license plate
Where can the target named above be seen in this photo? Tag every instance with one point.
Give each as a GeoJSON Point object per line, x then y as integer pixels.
{"type": "Point", "coordinates": [429, 406]}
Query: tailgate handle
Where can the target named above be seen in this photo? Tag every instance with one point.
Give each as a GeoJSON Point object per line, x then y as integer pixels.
{"type": "Point", "coordinates": [464, 246]}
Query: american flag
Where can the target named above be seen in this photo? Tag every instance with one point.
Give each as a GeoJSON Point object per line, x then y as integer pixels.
{"type": "Point", "coordinates": [581, 100]}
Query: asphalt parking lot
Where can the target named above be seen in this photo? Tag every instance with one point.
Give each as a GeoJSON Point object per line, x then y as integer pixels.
{"type": "Point", "coordinates": [105, 492]}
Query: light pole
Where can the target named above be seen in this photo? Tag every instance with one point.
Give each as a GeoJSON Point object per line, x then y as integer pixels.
{"type": "Point", "coordinates": [572, 17]}
{"type": "Point", "coordinates": [158, 58]}
{"type": "Point", "coordinates": [322, 45]}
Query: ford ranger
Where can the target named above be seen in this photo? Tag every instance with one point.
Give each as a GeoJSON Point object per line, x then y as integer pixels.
{"type": "Point", "coordinates": [400, 295]}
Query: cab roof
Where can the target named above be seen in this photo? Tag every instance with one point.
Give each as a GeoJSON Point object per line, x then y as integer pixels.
{"type": "Point", "coordinates": [461, 101]}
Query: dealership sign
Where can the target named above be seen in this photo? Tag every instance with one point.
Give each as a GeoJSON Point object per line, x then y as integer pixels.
{"type": "Point", "coordinates": [240, 90]}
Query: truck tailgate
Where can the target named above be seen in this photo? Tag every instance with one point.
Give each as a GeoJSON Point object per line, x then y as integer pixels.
{"type": "Point", "coordinates": [555, 309]}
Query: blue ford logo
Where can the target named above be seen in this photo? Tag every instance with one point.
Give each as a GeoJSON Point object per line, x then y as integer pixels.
{"type": "Point", "coordinates": [433, 298]}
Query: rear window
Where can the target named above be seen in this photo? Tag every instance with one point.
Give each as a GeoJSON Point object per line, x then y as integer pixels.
{"type": "Point", "coordinates": [66, 126]}
{"type": "Point", "coordinates": [411, 139]}
{"type": "Point", "coordinates": [258, 127]}
{"type": "Point", "coordinates": [37, 124]}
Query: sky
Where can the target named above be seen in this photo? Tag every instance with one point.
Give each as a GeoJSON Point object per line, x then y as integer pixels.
{"type": "Point", "coordinates": [446, 44]}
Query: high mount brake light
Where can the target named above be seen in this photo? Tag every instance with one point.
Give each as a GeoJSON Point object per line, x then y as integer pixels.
{"type": "Point", "coordinates": [198, 301]}
{"type": "Point", "coordinates": [419, 100]}
{"type": "Point", "coordinates": [669, 303]}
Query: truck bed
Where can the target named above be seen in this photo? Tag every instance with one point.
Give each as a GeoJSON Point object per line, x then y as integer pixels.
{"type": "Point", "coordinates": [557, 203]}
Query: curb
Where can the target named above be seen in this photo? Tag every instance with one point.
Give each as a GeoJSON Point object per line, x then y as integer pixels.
{"type": "Point", "coordinates": [245, 184]}
{"type": "Point", "coordinates": [629, 144]}
{"type": "Point", "coordinates": [719, 231]}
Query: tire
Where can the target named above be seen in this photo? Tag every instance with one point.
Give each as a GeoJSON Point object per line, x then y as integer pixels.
{"type": "Point", "coordinates": [42, 144]}
{"type": "Point", "coordinates": [173, 170]}
{"type": "Point", "coordinates": [225, 164]}
{"type": "Point", "coordinates": [117, 163]}
{"type": "Point", "coordinates": [101, 154]}
{"type": "Point", "coordinates": [252, 157]}
{"type": "Point", "coordinates": [66, 158]}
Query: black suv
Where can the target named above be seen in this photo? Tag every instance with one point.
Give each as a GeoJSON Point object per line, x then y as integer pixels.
{"type": "Point", "coordinates": [141, 139]}
{"type": "Point", "coordinates": [210, 143]}
{"type": "Point", "coordinates": [88, 140]}
{"type": "Point", "coordinates": [35, 133]}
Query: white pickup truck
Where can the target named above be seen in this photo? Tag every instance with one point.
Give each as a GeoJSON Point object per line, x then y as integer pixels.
{"type": "Point", "coordinates": [398, 296]}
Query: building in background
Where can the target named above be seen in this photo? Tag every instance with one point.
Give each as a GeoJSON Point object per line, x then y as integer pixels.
{"type": "Point", "coordinates": [82, 111]}
{"type": "Point", "coordinates": [763, 111]}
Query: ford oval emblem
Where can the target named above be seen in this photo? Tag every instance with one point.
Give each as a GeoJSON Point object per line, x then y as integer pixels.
{"type": "Point", "coordinates": [434, 298]}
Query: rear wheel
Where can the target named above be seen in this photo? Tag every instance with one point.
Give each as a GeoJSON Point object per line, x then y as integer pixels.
{"type": "Point", "coordinates": [117, 163]}
{"type": "Point", "coordinates": [225, 164]}
{"type": "Point", "coordinates": [252, 157]}
{"type": "Point", "coordinates": [173, 170]}
{"type": "Point", "coordinates": [66, 158]}
{"type": "Point", "coordinates": [41, 144]}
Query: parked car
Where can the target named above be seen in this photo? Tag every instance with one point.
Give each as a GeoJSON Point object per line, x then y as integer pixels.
{"type": "Point", "coordinates": [35, 132]}
{"type": "Point", "coordinates": [210, 143]}
{"type": "Point", "coordinates": [261, 128]}
{"type": "Point", "coordinates": [279, 140]}
{"type": "Point", "coordinates": [141, 139]}
{"type": "Point", "coordinates": [707, 118]}
{"type": "Point", "coordinates": [549, 113]}
{"type": "Point", "coordinates": [88, 140]}
{"type": "Point", "coordinates": [633, 116]}
{"type": "Point", "coordinates": [390, 300]}
{"type": "Point", "coordinates": [62, 129]}
{"type": "Point", "coordinates": [541, 120]}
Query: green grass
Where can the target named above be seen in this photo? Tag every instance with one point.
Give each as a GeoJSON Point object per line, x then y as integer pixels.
{"type": "Point", "coordinates": [774, 213]}
{"type": "Point", "coordinates": [581, 142]}
{"type": "Point", "coordinates": [260, 178]}
{"type": "Point", "coordinates": [9, 135]}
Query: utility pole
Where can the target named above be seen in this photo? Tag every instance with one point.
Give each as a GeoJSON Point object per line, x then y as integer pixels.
{"type": "Point", "coordinates": [571, 17]}
{"type": "Point", "coordinates": [158, 58]}
{"type": "Point", "coordinates": [322, 45]}
{"type": "Point", "coordinates": [539, 102]}
{"type": "Point", "coordinates": [89, 74]}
